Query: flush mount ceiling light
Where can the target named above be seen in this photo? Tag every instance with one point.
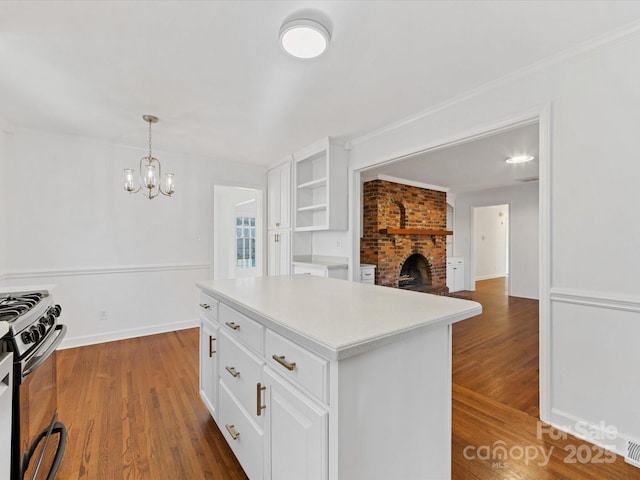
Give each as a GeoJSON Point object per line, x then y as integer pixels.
{"type": "Point", "coordinates": [304, 38]}
{"type": "Point", "coordinates": [520, 159]}
{"type": "Point", "coordinates": [147, 177]}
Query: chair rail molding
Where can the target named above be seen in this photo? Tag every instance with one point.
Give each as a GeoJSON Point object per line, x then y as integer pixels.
{"type": "Point", "coordinates": [607, 300]}
{"type": "Point", "coordinates": [106, 270]}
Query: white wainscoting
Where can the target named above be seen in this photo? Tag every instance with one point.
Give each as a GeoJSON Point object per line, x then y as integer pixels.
{"type": "Point", "coordinates": [590, 386]}
{"type": "Point", "coordinates": [102, 304]}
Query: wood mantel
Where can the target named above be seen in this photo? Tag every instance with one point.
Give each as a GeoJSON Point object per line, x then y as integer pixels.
{"type": "Point", "coordinates": [413, 231]}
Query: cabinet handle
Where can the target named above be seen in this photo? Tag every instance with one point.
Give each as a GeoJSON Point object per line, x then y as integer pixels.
{"type": "Point", "coordinates": [211, 350]}
{"type": "Point", "coordinates": [259, 406]}
{"type": "Point", "coordinates": [276, 238]}
{"type": "Point", "coordinates": [288, 365]}
{"type": "Point", "coordinates": [232, 371]}
{"type": "Point", "coordinates": [232, 325]}
{"type": "Point", "coordinates": [277, 224]}
{"type": "Point", "coordinates": [205, 306]}
{"type": "Point", "coordinates": [232, 431]}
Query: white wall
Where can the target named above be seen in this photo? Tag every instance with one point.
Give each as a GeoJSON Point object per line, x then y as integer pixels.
{"type": "Point", "coordinates": [490, 233]}
{"type": "Point", "coordinates": [594, 111]}
{"type": "Point", "coordinates": [123, 265]}
{"type": "Point", "coordinates": [524, 267]}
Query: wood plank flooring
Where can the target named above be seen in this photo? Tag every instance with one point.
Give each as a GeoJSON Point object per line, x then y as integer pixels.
{"type": "Point", "coordinates": [133, 410]}
{"type": "Point", "coordinates": [495, 401]}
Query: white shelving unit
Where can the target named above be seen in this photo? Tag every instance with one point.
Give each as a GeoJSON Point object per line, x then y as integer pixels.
{"type": "Point", "coordinates": [320, 191]}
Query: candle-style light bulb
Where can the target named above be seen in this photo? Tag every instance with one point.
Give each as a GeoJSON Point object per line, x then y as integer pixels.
{"type": "Point", "coordinates": [150, 176]}
{"type": "Point", "coordinates": [169, 185]}
{"type": "Point", "coordinates": [128, 180]}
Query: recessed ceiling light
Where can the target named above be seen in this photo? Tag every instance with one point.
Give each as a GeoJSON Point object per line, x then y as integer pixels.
{"type": "Point", "coordinates": [304, 38]}
{"type": "Point", "coordinates": [520, 159]}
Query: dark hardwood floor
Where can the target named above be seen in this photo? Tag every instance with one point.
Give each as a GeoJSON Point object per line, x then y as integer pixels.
{"type": "Point", "coordinates": [133, 410]}
{"type": "Point", "coordinates": [495, 401]}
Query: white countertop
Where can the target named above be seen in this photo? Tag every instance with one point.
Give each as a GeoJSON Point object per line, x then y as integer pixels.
{"type": "Point", "coordinates": [336, 318]}
{"type": "Point", "coordinates": [320, 261]}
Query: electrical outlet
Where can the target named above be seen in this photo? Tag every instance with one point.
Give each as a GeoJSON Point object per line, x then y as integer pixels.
{"type": "Point", "coordinates": [103, 315]}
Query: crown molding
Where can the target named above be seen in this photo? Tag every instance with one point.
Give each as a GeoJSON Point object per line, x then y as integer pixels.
{"type": "Point", "coordinates": [608, 40]}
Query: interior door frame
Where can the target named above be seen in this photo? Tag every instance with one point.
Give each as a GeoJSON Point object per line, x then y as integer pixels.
{"type": "Point", "coordinates": [542, 115]}
{"type": "Point", "coordinates": [262, 229]}
{"type": "Point", "coordinates": [472, 242]}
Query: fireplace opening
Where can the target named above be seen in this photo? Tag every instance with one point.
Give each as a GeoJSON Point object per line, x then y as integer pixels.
{"type": "Point", "coordinates": [415, 273]}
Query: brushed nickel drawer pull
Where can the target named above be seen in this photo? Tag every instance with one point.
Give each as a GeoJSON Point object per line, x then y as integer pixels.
{"type": "Point", "coordinates": [259, 406]}
{"type": "Point", "coordinates": [211, 350]}
{"type": "Point", "coordinates": [232, 371]}
{"type": "Point", "coordinates": [232, 432]}
{"type": "Point", "coordinates": [205, 306]}
{"type": "Point", "coordinates": [232, 325]}
{"type": "Point", "coordinates": [288, 365]}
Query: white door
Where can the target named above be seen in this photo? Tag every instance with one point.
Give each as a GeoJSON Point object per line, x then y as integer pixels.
{"type": "Point", "coordinates": [238, 231]}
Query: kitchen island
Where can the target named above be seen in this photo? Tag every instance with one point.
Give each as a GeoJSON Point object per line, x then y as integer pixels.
{"type": "Point", "coordinates": [311, 377]}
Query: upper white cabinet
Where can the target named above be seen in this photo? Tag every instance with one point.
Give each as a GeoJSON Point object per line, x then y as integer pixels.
{"type": "Point", "coordinates": [320, 187]}
{"type": "Point", "coordinates": [279, 197]}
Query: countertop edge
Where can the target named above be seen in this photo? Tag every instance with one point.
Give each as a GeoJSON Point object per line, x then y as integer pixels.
{"type": "Point", "coordinates": [343, 351]}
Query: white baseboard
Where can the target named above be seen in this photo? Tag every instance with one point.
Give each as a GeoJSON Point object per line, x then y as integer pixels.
{"type": "Point", "coordinates": [590, 432]}
{"type": "Point", "coordinates": [489, 277]}
{"type": "Point", "coordinates": [71, 342]}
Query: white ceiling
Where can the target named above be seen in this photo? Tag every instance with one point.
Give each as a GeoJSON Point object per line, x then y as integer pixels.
{"type": "Point", "coordinates": [471, 166]}
{"type": "Point", "coordinates": [214, 73]}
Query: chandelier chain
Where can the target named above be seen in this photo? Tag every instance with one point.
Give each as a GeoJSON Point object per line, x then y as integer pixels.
{"type": "Point", "coordinates": [150, 141]}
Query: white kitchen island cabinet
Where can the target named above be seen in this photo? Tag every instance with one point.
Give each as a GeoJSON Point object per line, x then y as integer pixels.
{"type": "Point", "coordinates": [326, 379]}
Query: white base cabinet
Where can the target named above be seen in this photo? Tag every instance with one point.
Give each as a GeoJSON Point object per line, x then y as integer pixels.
{"type": "Point", "coordinates": [297, 432]}
{"type": "Point", "coordinates": [290, 412]}
{"type": "Point", "coordinates": [208, 354]}
{"type": "Point", "coordinates": [455, 274]}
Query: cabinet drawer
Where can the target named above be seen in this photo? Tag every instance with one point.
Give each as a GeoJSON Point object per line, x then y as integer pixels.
{"type": "Point", "coordinates": [297, 364]}
{"type": "Point", "coordinates": [241, 327]}
{"type": "Point", "coordinates": [318, 272]}
{"type": "Point", "coordinates": [247, 444]}
{"type": "Point", "coordinates": [240, 371]}
{"type": "Point", "coordinates": [367, 274]}
{"type": "Point", "coordinates": [208, 306]}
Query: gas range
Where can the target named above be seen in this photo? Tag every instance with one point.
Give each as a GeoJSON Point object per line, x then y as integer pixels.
{"type": "Point", "coordinates": [33, 334]}
{"type": "Point", "coordinates": [30, 318]}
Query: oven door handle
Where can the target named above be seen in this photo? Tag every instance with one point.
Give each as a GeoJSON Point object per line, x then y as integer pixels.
{"type": "Point", "coordinates": [50, 350]}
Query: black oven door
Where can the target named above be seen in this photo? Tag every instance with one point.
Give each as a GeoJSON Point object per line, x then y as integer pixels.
{"type": "Point", "coordinates": [42, 460]}
{"type": "Point", "coordinates": [42, 438]}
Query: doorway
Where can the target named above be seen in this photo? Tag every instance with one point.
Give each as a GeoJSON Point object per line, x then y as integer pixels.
{"type": "Point", "coordinates": [490, 242]}
{"type": "Point", "coordinates": [237, 232]}
{"type": "Point", "coordinates": [479, 159]}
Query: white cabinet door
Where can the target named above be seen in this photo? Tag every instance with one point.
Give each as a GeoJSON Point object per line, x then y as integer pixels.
{"type": "Point", "coordinates": [209, 366]}
{"type": "Point", "coordinates": [296, 433]}
{"type": "Point", "coordinates": [455, 274]}
{"type": "Point", "coordinates": [279, 197]}
{"type": "Point", "coordinates": [279, 252]}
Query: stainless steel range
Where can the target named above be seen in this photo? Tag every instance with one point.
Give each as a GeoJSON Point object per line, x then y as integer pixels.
{"type": "Point", "coordinates": [37, 437]}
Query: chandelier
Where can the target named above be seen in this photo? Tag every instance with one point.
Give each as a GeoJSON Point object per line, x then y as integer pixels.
{"type": "Point", "coordinates": [147, 179]}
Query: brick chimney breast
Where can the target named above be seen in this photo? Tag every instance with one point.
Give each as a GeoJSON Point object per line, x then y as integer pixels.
{"type": "Point", "coordinates": [394, 205]}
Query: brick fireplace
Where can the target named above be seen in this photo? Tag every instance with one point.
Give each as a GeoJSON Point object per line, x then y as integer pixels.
{"type": "Point", "coordinates": [404, 235]}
